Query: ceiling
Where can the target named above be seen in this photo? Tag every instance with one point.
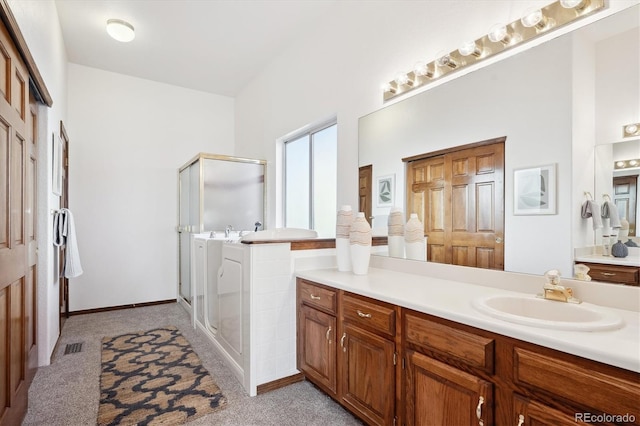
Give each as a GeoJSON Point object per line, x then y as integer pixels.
{"type": "Point", "coordinates": [215, 46]}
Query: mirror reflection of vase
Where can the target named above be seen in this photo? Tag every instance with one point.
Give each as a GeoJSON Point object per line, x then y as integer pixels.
{"type": "Point", "coordinates": [414, 239]}
{"type": "Point", "coordinates": [395, 234]}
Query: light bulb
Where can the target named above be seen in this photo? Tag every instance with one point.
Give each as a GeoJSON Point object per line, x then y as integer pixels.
{"type": "Point", "coordinates": [571, 4]}
{"type": "Point", "coordinates": [387, 88]}
{"type": "Point", "coordinates": [633, 163]}
{"type": "Point", "coordinates": [499, 33]}
{"type": "Point", "coordinates": [420, 68]}
{"type": "Point", "coordinates": [401, 78]}
{"type": "Point", "coordinates": [445, 59]}
{"type": "Point", "coordinates": [620, 164]}
{"type": "Point", "coordinates": [631, 129]}
{"type": "Point", "coordinates": [470, 48]}
{"type": "Point", "coordinates": [120, 30]}
{"type": "Point", "coordinates": [531, 17]}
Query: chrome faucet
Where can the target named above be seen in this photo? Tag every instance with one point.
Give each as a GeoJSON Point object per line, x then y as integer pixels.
{"type": "Point", "coordinates": [227, 231]}
{"type": "Point", "coordinates": [552, 289]}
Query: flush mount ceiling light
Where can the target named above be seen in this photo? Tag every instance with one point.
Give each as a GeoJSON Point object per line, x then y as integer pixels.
{"type": "Point", "coordinates": [120, 30]}
{"type": "Point", "coordinates": [629, 130]}
{"type": "Point", "coordinates": [534, 21]}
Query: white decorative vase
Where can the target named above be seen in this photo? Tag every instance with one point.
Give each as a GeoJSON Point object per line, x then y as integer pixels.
{"type": "Point", "coordinates": [360, 240]}
{"type": "Point", "coordinates": [395, 234]}
{"type": "Point", "coordinates": [415, 243]}
{"type": "Point", "coordinates": [343, 246]}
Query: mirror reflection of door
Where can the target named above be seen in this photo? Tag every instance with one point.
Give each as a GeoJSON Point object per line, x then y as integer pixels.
{"type": "Point", "coordinates": [458, 195]}
{"type": "Point", "coordinates": [625, 194]}
{"type": "Point", "coordinates": [365, 188]}
{"type": "Point", "coordinates": [64, 203]}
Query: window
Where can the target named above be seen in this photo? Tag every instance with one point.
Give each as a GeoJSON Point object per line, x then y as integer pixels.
{"type": "Point", "coordinates": [310, 180]}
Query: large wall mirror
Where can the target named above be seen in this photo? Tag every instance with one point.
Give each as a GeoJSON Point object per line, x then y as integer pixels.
{"type": "Point", "coordinates": [555, 103]}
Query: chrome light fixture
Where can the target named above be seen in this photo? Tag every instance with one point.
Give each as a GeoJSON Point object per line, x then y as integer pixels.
{"type": "Point", "coordinates": [630, 130]}
{"type": "Point", "coordinates": [501, 37]}
{"type": "Point", "coordinates": [120, 30]}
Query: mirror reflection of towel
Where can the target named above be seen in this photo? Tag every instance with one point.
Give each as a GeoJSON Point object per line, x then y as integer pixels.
{"type": "Point", "coordinates": [610, 211]}
{"type": "Point", "coordinates": [588, 208]}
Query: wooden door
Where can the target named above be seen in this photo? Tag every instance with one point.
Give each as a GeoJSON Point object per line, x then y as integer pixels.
{"type": "Point", "coordinates": [625, 194]}
{"type": "Point", "coordinates": [368, 375]}
{"type": "Point", "coordinates": [459, 197]}
{"type": "Point", "coordinates": [63, 282]}
{"type": "Point", "coordinates": [532, 413]}
{"type": "Point", "coordinates": [317, 347]}
{"type": "Point", "coordinates": [365, 191]}
{"type": "Point", "coordinates": [18, 279]}
{"type": "Point", "coordinates": [440, 395]}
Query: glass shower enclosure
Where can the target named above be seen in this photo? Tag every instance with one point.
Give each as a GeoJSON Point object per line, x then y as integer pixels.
{"type": "Point", "coordinates": [216, 192]}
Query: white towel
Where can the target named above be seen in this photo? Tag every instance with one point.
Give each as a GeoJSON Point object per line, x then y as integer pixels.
{"type": "Point", "coordinates": [610, 211]}
{"type": "Point", "coordinates": [588, 208]}
{"type": "Point", "coordinates": [64, 233]}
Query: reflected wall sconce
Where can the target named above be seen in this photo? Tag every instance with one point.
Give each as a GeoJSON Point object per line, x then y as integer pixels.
{"type": "Point", "coordinates": [534, 22]}
{"type": "Point", "coordinates": [120, 30]}
{"type": "Point", "coordinates": [630, 130]}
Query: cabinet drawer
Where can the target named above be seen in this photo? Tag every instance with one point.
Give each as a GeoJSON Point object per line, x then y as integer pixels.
{"type": "Point", "coordinates": [370, 314]}
{"type": "Point", "coordinates": [576, 382]}
{"type": "Point", "coordinates": [317, 296]}
{"type": "Point", "coordinates": [614, 274]}
{"type": "Point", "coordinates": [471, 349]}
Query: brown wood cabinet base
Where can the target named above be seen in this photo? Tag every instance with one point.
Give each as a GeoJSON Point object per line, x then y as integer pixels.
{"type": "Point", "coordinates": [449, 373]}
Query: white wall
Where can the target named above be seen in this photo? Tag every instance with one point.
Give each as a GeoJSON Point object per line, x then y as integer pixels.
{"type": "Point", "coordinates": [128, 137]}
{"type": "Point", "coordinates": [338, 69]}
{"type": "Point", "coordinates": [38, 22]}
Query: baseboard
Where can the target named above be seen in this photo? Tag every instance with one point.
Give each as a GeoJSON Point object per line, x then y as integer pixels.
{"type": "Point", "coordinates": [116, 308]}
{"type": "Point", "coordinates": [280, 383]}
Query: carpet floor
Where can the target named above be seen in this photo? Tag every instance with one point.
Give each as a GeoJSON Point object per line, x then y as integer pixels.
{"type": "Point", "coordinates": [67, 392]}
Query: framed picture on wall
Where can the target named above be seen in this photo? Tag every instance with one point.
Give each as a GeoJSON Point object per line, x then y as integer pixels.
{"type": "Point", "coordinates": [535, 190]}
{"type": "Point", "coordinates": [56, 181]}
{"type": "Point", "coordinates": [385, 190]}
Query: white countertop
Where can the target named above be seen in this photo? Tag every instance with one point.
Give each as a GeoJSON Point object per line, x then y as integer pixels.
{"type": "Point", "coordinates": [594, 255]}
{"type": "Point", "coordinates": [451, 300]}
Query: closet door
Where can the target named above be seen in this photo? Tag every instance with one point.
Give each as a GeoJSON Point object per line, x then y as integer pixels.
{"type": "Point", "coordinates": [459, 197]}
{"type": "Point", "coordinates": [18, 172]}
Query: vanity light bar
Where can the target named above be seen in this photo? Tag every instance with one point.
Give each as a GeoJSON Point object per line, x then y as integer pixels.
{"type": "Point", "coordinates": [500, 38]}
{"type": "Point", "coordinates": [626, 164]}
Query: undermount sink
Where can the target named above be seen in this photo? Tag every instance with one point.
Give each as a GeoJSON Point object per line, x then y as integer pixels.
{"type": "Point", "coordinates": [538, 312]}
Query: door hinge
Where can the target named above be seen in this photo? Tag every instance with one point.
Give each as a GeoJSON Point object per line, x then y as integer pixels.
{"type": "Point", "coordinates": [395, 419]}
{"type": "Point", "coordinates": [395, 358]}
{"type": "Point", "coordinates": [403, 363]}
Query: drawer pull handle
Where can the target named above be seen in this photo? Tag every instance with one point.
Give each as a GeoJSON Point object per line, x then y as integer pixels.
{"type": "Point", "coordinates": [520, 420]}
{"type": "Point", "coordinates": [362, 314]}
{"type": "Point", "coordinates": [479, 411]}
{"type": "Point", "coordinates": [342, 342]}
{"type": "Point", "coordinates": [314, 297]}
{"type": "Point", "coordinates": [608, 274]}
{"type": "Point", "coordinates": [329, 332]}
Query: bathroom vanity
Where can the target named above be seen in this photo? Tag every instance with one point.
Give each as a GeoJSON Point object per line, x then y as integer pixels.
{"type": "Point", "coordinates": [616, 270]}
{"type": "Point", "coordinates": [409, 348]}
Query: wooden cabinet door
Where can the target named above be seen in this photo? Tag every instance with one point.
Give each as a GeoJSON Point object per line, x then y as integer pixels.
{"type": "Point", "coordinates": [531, 413]}
{"type": "Point", "coordinates": [459, 197]}
{"type": "Point", "coordinates": [317, 347]}
{"type": "Point", "coordinates": [368, 375]}
{"type": "Point", "coordinates": [440, 395]}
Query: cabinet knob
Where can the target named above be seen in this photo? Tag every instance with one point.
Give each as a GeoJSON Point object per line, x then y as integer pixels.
{"type": "Point", "coordinates": [520, 420]}
{"type": "Point", "coordinates": [329, 332]}
{"type": "Point", "coordinates": [342, 342]}
{"type": "Point", "coordinates": [479, 411]}
{"type": "Point", "coordinates": [362, 314]}
{"type": "Point", "coordinates": [314, 297]}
